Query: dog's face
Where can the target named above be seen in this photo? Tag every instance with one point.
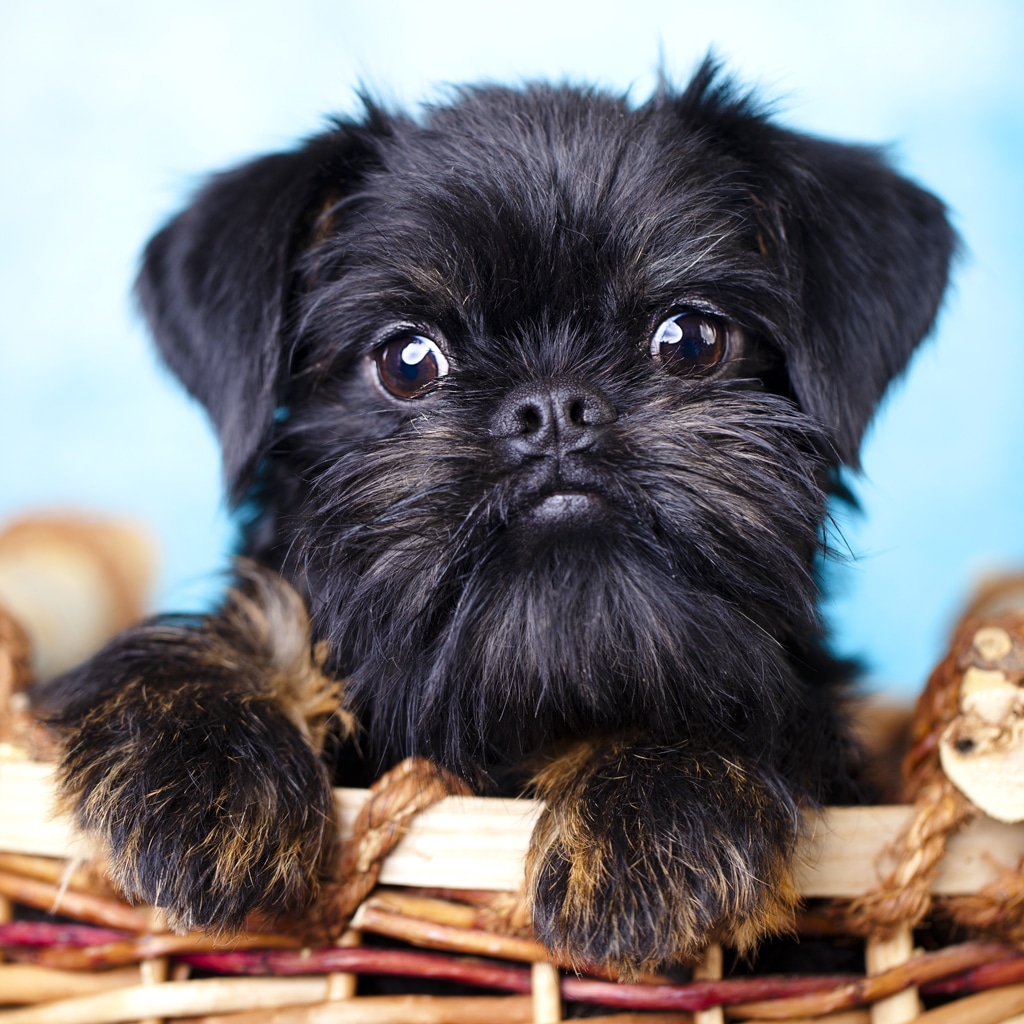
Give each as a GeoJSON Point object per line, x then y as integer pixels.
{"type": "Point", "coordinates": [539, 400]}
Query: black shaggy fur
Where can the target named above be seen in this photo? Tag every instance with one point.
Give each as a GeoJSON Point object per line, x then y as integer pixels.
{"type": "Point", "coordinates": [564, 558]}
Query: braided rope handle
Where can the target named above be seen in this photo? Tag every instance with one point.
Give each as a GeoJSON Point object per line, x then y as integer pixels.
{"type": "Point", "coordinates": [905, 897]}
{"type": "Point", "coordinates": [395, 799]}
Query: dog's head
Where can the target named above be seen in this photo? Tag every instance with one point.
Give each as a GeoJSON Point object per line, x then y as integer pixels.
{"type": "Point", "coordinates": [539, 397]}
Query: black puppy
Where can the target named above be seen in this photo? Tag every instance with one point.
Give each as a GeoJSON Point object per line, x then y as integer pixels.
{"type": "Point", "coordinates": [537, 402]}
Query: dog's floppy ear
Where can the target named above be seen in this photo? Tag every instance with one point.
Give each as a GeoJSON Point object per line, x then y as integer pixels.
{"type": "Point", "coordinates": [874, 253]}
{"type": "Point", "coordinates": [865, 251]}
{"type": "Point", "coordinates": [215, 283]}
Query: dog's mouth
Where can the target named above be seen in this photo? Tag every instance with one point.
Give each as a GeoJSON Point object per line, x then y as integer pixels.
{"type": "Point", "coordinates": [565, 506]}
{"type": "Point", "coordinates": [558, 507]}
{"type": "Point", "coordinates": [553, 500]}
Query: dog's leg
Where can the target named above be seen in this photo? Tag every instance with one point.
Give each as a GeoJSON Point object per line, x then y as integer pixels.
{"type": "Point", "coordinates": [191, 750]}
{"type": "Point", "coordinates": [646, 853]}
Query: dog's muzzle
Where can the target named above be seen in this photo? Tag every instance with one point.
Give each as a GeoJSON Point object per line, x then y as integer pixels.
{"type": "Point", "coordinates": [543, 430]}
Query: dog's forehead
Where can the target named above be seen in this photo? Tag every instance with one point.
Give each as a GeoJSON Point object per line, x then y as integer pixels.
{"type": "Point", "coordinates": [543, 193]}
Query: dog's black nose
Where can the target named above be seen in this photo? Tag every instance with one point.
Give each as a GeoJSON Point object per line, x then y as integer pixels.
{"type": "Point", "coordinates": [550, 418]}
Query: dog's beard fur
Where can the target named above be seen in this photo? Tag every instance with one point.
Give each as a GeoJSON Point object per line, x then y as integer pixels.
{"type": "Point", "coordinates": [633, 609]}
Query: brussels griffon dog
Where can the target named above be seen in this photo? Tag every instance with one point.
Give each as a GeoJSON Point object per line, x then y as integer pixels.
{"type": "Point", "coordinates": [532, 407]}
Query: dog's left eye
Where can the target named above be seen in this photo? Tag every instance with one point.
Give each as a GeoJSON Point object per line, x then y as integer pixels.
{"type": "Point", "coordinates": [408, 364]}
{"type": "Point", "coordinates": [689, 344]}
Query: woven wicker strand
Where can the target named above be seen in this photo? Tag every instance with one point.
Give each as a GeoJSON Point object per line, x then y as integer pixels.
{"type": "Point", "coordinates": [395, 799]}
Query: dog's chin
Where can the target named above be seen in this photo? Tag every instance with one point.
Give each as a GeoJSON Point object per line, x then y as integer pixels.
{"type": "Point", "coordinates": [569, 620]}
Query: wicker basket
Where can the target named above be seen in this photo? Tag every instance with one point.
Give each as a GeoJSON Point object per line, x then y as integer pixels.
{"type": "Point", "coordinates": [439, 877]}
{"type": "Point", "coordinates": [443, 888]}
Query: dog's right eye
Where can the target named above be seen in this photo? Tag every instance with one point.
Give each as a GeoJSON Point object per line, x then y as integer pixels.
{"type": "Point", "coordinates": [690, 344]}
{"type": "Point", "coordinates": [408, 364]}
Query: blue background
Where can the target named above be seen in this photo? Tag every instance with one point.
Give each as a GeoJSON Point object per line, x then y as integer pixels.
{"type": "Point", "coordinates": [111, 112]}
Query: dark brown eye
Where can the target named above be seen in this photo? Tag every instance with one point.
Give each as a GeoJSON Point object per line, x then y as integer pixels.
{"type": "Point", "coordinates": [408, 364]}
{"type": "Point", "coordinates": [689, 344]}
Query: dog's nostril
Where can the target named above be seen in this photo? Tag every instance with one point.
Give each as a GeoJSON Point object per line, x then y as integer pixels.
{"type": "Point", "coordinates": [964, 745]}
{"type": "Point", "coordinates": [531, 419]}
{"type": "Point", "coordinates": [577, 411]}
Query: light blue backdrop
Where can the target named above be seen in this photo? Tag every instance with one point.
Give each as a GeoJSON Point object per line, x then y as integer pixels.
{"type": "Point", "coordinates": [110, 112]}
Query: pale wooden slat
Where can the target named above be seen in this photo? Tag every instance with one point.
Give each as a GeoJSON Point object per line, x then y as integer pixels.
{"type": "Point", "coordinates": [547, 994]}
{"type": "Point", "coordinates": [880, 953]}
{"type": "Point", "coordinates": [478, 843]}
{"type": "Point", "coordinates": [29, 983]}
{"type": "Point", "coordinates": [27, 822]}
{"type": "Point", "coordinates": [460, 843]}
{"type": "Point", "coordinates": [846, 854]}
{"type": "Point", "coordinates": [710, 969]}
{"type": "Point", "coordinates": [174, 999]}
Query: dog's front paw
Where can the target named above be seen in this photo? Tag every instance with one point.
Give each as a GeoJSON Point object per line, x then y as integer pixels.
{"type": "Point", "coordinates": [643, 855]}
{"type": "Point", "coordinates": [209, 806]}
{"type": "Point", "coordinates": [190, 749]}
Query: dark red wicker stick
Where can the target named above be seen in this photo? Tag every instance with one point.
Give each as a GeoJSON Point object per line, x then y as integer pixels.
{"type": "Point", "coordinates": [698, 995]}
{"type": "Point", "coordinates": [363, 960]}
{"type": "Point", "coordinates": [148, 947]}
{"type": "Point", "coordinates": [366, 960]}
{"type": "Point", "coordinates": [1006, 972]}
{"type": "Point", "coordinates": [915, 972]}
{"type": "Point", "coordinates": [47, 933]}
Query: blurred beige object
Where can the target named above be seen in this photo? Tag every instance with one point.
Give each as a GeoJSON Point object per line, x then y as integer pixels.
{"type": "Point", "coordinates": [982, 749]}
{"type": "Point", "coordinates": [969, 722]}
{"type": "Point", "coordinates": [72, 581]}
